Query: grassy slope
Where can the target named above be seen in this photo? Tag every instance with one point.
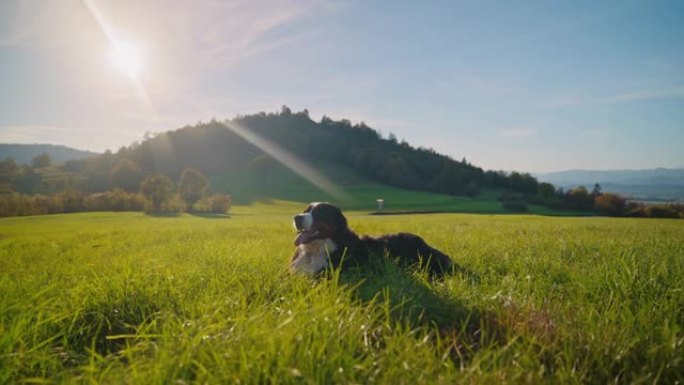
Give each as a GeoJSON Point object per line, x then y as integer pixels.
{"type": "Point", "coordinates": [361, 193]}
{"type": "Point", "coordinates": [125, 298]}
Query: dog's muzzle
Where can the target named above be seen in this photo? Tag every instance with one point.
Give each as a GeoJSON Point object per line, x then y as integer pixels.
{"type": "Point", "coordinates": [302, 222]}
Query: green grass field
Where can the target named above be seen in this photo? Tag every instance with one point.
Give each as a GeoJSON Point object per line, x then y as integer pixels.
{"type": "Point", "coordinates": [129, 298]}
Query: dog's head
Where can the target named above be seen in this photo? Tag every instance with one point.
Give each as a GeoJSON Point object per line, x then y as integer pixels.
{"type": "Point", "coordinates": [320, 220]}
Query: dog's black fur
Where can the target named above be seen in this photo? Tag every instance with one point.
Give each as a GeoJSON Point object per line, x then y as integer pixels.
{"type": "Point", "coordinates": [323, 225]}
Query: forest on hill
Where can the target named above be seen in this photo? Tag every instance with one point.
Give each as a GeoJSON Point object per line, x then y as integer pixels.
{"type": "Point", "coordinates": [219, 148]}
{"type": "Point", "coordinates": [216, 148]}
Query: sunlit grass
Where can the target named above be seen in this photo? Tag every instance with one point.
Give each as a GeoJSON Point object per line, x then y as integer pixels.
{"type": "Point", "coordinates": [128, 298]}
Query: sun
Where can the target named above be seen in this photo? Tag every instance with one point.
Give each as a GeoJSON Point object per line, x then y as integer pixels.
{"type": "Point", "coordinates": [127, 58]}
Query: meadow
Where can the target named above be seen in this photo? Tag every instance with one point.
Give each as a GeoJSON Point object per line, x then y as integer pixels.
{"type": "Point", "coordinates": [130, 298]}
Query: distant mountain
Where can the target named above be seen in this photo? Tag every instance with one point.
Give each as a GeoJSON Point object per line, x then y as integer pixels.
{"type": "Point", "coordinates": [660, 184]}
{"type": "Point", "coordinates": [24, 153]}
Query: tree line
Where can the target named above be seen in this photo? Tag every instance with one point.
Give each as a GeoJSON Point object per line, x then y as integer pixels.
{"type": "Point", "coordinates": [131, 191]}
{"type": "Point", "coordinates": [579, 199]}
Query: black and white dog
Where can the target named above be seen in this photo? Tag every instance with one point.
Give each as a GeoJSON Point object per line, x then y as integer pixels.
{"type": "Point", "coordinates": [324, 240]}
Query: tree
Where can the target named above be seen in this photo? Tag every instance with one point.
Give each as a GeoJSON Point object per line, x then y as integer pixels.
{"type": "Point", "coordinates": [525, 183]}
{"type": "Point", "coordinates": [450, 179]}
{"type": "Point", "coordinates": [472, 189]}
{"type": "Point", "coordinates": [97, 172]}
{"type": "Point", "coordinates": [611, 204]}
{"type": "Point", "coordinates": [9, 173]}
{"type": "Point", "coordinates": [546, 191]}
{"type": "Point", "coordinates": [157, 189]}
{"type": "Point", "coordinates": [262, 166]}
{"type": "Point", "coordinates": [126, 175]}
{"type": "Point", "coordinates": [579, 198]}
{"type": "Point", "coordinates": [192, 186]}
{"type": "Point", "coordinates": [42, 160]}
{"type": "Point", "coordinates": [396, 172]}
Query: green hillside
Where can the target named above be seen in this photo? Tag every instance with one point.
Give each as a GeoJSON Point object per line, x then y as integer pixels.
{"type": "Point", "coordinates": [233, 151]}
{"type": "Point", "coordinates": [359, 193]}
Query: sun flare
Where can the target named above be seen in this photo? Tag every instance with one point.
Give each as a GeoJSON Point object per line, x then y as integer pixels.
{"type": "Point", "coordinates": [127, 59]}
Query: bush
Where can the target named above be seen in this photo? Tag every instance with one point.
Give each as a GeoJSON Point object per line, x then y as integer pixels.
{"type": "Point", "coordinates": [174, 204]}
{"type": "Point", "coordinates": [71, 201]}
{"type": "Point", "coordinates": [215, 204]}
{"type": "Point", "coordinates": [115, 200]}
{"type": "Point", "coordinates": [22, 205]}
{"type": "Point", "coordinates": [663, 211]}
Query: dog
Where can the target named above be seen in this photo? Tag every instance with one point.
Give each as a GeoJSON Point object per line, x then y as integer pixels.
{"type": "Point", "coordinates": [325, 241]}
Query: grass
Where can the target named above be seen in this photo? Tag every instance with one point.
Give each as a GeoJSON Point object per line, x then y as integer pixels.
{"type": "Point", "coordinates": [128, 298]}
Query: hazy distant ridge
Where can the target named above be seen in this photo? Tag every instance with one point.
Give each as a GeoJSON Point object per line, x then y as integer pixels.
{"type": "Point", "coordinates": [657, 184]}
{"type": "Point", "coordinates": [24, 153]}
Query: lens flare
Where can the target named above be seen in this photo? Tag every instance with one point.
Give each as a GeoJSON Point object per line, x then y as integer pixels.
{"type": "Point", "coordinates": [289, 160]}
{"type": "Point", "coordinates": [126, 58]}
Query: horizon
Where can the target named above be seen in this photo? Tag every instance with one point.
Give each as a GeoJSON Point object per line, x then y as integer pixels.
{"type": "Point", "coordinates": [523, 171]}
{"type": "Point", "coordinates": [534, 88]}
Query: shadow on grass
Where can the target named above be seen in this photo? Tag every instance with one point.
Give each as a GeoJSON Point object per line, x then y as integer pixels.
{"type": "Point", "coordinates": [178, 214]}
{"type": "Point", "coordinates": [415, 302]}
{"type": "Point", "coordinates": [210, 215]}
{"type": "Point", "coordinates": [163, 214]}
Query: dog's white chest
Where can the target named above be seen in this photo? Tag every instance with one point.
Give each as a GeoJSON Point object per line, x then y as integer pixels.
{"type": "Point", "coordinates": [313, 257]}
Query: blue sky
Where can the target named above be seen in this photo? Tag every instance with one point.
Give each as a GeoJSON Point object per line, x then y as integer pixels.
{"type": "Point", "coordinates": [529, 86]}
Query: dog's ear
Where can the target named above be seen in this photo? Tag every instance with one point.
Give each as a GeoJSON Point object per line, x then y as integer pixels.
{"type": "Point", "coordinates": [340, 220]}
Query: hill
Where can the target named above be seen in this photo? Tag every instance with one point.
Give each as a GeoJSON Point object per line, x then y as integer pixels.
{"type": "Point", "coordinates": [286, 156]}
{"type": "Point", "coordinates": [24, 153]}
{"type": "Point", "coordinates": [252, 145]}
{"type": "Point", "coordinates": [659, 184]}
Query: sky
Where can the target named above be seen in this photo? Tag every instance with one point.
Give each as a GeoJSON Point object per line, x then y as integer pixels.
{"type": "Point", "coordinates": [527, 86]}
